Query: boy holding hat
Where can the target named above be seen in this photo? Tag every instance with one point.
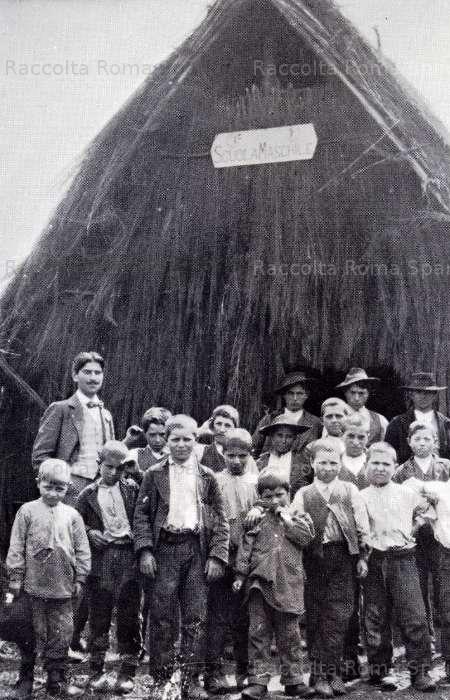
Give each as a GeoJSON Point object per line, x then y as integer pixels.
{"type": "Point", "coordinates": [356, 386]}
{"type": "Point", "coordinates": [107, 508]}
{"type": "Point", "coordinates": [341, 533]}
{"type": "Point", "coordinates": [292, 392]}
{"type": "Point", "coordinates": [423, 393]}
{"type": "Point", "coordinates": [280, 459]}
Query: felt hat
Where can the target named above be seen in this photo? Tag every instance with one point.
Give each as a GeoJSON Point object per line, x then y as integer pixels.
{"type": "Point", "coordinates": [292, 379]}
{"type": "Point", "coordinates": [423, 381]}
{"type": "Point", "coordinates": [284, 421]}
{"type": "Point", "coordinates": [355, 375]}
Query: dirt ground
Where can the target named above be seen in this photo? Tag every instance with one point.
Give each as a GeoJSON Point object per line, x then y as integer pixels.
{"type": "Point", "coordinates": [79, 672]}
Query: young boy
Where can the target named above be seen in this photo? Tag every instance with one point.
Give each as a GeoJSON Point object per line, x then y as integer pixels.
{"type": "Point", "coordinates": [182, 538]}
{"type": "Point", "coordinates": [392, 588]}
{"type": "Point", "coordinates": [425, 465]}
{"type": "Point", "coordinates": [438, 495]}
{"type": "Point", "coordinates": [49, 558]}
{"type": "Point", "coordinates": [107, 508]}
{"type": "Point", "coordinates": [355, 438]}
{"type": "Point", "coordinates": [293, 467]}
{"type": "Point", "coordinates": [269, 561]}
{"type": "Point", "coordinates": [356, 387]}
{"type": "Point", "coordinates": [223, 419]}
{"type": "Point", "coordinates": [226, 609]}
{"type": "Point", "coordinates": [153, 425]}
{"type": "Point", "coordinates": [334, 412]}
{"type": "Point", "coordinates": [341, 532]}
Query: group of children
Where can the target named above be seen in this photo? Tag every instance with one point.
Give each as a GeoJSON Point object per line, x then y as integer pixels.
{"type": "Point", "coordinates": [330, 536]}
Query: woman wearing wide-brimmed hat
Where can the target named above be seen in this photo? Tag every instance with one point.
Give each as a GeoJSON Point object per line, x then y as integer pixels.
{"type": "Point", "coordinates": [292, 393]}
{"type": "Point", "coordinates": [422, 391]}
{"type": "Point", "coordinates": [356, 388]}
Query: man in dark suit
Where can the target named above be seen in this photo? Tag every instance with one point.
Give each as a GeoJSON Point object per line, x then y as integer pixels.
{"type": "Point", "coordinates": [423, 392]}
{"type": "Point", "coordinates": [75, 430]}
{"type": "Point", "coordinates": [293, 391]}
{"type": "Point", "coordinates": [181, 537]}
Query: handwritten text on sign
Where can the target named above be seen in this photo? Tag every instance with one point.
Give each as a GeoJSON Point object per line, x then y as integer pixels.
{"type": "Point", "coordinates": [277, 145]}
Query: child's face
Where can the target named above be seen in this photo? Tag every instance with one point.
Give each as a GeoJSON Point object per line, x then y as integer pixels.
{"type": "Point", "coordinates": [282, 440]}
{"type": "Point", "coordinates": [356, 396]}
{"type": "Point", "coordinates": [221, 426]}
{"type": "Point", "coordinates": [236, 459]}
{"type": "Point", "coordinates": [52, 492]}
{"type": "Point", "coordinates": [326, 465]}
{"type": "Point", "coordinates": [422, 443]}
{"type": "Point", "coordinates": [275, 498]}
{"type": "Point", "coordinates": [111, 470]}
{"type": "Point", "coordinates": [355, 440]}
{"type": "Point", "coordinates": [156, 437]}
{"type": "Point", "coordinates": [89, 378]}
{"type": "Point", "coordinates": [295, 397]}
{"type": "Point", "coordinates": [380, 468]}
{"type": "Point", "coordinates": [180, 443]}
{"type": "Point", "coordinates": [333, 420]}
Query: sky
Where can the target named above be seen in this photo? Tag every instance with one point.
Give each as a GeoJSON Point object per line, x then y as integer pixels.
{"type": "Point", "coordinates": [63, 74]}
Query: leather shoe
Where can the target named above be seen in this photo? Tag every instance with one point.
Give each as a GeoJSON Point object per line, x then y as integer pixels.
{"type": "Point", "coordinates": [299, 690]}
{"type": "Point", "coordinates": [423, 682]}
{"type": "Point", "coordinates": [254, 692]}
{"type": "Point", "coordinates": [123, 685]}
{"type": "Point", "coordinates": [323, 689]}
{"type": "Point", "coordinates": [99, 683]}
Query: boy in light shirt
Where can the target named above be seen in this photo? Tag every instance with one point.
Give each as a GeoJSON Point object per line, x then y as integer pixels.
{"type": "Point", "coordinates": [425, 465]}
{"type": "Point", "coordinates": [354, 459]}
{"type": "Point", "coordinates": [392, 588]}
{"type": "Point", "coordinates": [438, 494]}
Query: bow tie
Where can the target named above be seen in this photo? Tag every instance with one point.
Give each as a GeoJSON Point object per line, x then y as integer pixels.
{"type": "Point", "coordinates": [94, 404]}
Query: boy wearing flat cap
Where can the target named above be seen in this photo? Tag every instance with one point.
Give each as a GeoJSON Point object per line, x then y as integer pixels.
{"type": "Point", "coordinates": [422, 392]}
{"type": "Point", "coordinates": [292, 393]}
{"type": "Point", "coordinates": [356, 388]}
{"type": "Point", "coordinates": [107, 508]}
{"type": "Point", "coordinates": [280, 459]}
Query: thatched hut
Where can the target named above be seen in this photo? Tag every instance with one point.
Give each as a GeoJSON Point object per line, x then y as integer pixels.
{"type": "Point", "coordinates": [199, 284]}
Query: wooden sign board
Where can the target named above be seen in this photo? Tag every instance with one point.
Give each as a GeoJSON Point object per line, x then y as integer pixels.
{"type": "Point", "coordinates": [276, 145]}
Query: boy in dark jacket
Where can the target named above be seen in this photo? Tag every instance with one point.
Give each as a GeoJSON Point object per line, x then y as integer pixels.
{"type": "Point", "coordinates": [107, 507]}
{"type": "Point", "coordinates": [181, 537]}
{"type": "Point", "coordinates": [269, 561]}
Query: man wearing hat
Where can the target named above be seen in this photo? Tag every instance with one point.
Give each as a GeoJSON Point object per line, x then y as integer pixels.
{"type": "Point", "coordinates": [280, 459]}
{"type": "Point", "coordinates": [292, 393]}
{"type": "Point", "coordinates": [356, 387]}
{"type": "Point", "coordinates": [107, 508]}
{"type": "Point", "coordinates": [422, 392]}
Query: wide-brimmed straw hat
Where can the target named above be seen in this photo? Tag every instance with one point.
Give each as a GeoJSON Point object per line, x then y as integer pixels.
{"type": "Point", "coordinates": [284, 421]}
{"type": "Point", "coordinates": [355, 375]}
{"type": "Point", "coordinates": [423, 381]}
{"type": "Point", "coordinates": [292, 379]}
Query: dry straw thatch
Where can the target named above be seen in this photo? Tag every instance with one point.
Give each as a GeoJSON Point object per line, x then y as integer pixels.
{"type": "Point", "coordinates": [199, 285]}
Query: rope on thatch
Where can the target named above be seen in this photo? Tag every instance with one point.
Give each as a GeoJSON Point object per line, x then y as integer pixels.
{"type": "Point", "coordinates": [26, 388]}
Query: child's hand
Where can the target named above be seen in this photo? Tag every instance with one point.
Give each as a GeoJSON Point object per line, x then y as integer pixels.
{"type": "Point", "coordinates": [97, 539]}
{"type": "Point", "coordinates": [362, 568]}
{"type": "Point", "coordinates": [237, 585]}
{"type": "Point", "coordinates": [147, 564]}
{"type": "Point", "coordinates": [253, 517]}
{"type": "Point", "coordinates": [214, 569]}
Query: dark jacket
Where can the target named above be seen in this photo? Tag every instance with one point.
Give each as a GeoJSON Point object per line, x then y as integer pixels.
{"type": "Point", "coordinates": [152, 510]}
{"type": "Point", "coordinates": [89, 509]}
{"type": "Point", "coordinates": [270, 558]}
{"type": "Point", "coordinates": [212, 458]}
{"type": "Point", "coordinates": [262, 443]}
{"type": "Point", "coordinates": [397, 434]}
{"type": "Point", "coordinates": [60, 431]}
{"type": "Point", "coordinates": [301, 470]}
{"type": "Point", "coordinates": [360, 480]}
{"type": "Point", "coordinates": [438, 471]}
